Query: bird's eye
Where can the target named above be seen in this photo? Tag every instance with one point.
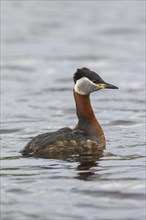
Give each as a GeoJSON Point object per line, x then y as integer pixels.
{"type": "Point", "coordinates": [94, 81]}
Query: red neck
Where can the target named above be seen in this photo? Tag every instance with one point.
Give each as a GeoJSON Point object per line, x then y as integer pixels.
{"type": "Point", "coordinates": [86, 116]}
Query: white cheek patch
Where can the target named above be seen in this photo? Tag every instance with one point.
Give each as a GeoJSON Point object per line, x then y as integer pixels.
{"type": "Point", "coordinates": [84, 86]}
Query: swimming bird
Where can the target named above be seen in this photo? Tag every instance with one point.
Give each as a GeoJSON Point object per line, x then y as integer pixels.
{"type": "Point", "coordinates": [87, 137]}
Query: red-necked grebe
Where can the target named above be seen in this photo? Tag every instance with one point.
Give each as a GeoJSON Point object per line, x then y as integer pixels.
{"type": "Point", "coordinates": [87, 136]}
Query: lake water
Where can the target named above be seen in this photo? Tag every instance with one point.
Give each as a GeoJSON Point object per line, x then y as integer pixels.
{"type": "Point", "coordinates": [43, 43]}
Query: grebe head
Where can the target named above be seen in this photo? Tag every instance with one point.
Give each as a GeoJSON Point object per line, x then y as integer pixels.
{"type": "Point", "coordinates": [87, 81]}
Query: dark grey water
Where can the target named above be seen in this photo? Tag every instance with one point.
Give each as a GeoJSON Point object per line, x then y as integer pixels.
{"type": "Point", "coordinates": [43, 42]}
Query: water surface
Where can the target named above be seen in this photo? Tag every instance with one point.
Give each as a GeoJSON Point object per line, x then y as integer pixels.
{"type": "Point", "coordinates": [42, 45]}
